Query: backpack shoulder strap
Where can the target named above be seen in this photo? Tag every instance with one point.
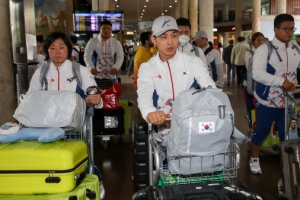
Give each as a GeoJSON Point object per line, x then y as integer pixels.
{"type": "Point", "coordinates": [43, 74]}
{"type": "Point", "coordinates": [296, 47]}
{"type": "Point", "coordinates": [208, 50]}
{"type": "Point", "coordinates": [76, 73]}
{"type": "Point", "coordinates": [251, 52]}
{"type": "Point", "coordinates": [195, 48]}
{"type": "Point", "coordinates": [76, 50]}
{"type": "Point", "coordinates": [270, 49]}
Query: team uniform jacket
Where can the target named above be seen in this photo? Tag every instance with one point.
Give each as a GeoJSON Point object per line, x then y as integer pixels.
{"type": "Point", "coordinates": [103, 55]}
{"type": "Point", "coordinates": [189, 50]}
{"type": "Point", "coordinates": [215, 67]}
{"type": "Point", "coordinates": [271, 74]}
{"type": "Point", "coordinates": [160, 82]}
{"type": "Point", "coordinates": [59, 79]}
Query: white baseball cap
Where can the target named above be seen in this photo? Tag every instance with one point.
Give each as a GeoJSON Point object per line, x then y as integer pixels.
{"type": "Point", "coordinates": [200, 34]}
{"type": "Point", "coordinates": [163, 24]}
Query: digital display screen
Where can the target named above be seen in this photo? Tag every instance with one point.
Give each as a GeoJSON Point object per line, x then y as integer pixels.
{"type": "Point", "coordinates": [91, 22]}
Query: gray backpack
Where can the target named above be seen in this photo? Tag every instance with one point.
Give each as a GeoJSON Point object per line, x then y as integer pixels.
{"type": "Point", "coordinates": [75, 70]}
{"type": "Point", "coordinates": [202, 125]}
{"type": "Point", "coordinates": [250, 80]}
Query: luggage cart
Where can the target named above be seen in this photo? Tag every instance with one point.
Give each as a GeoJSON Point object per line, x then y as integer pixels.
{"type": "Point", "coordinates": [219, 184]}
{"type": "Point", "coordinates": [108, 116]}
{"type": "Point", "coordinates": [160, 175]}
{"type": "Point", "coordinates": [85, 134]}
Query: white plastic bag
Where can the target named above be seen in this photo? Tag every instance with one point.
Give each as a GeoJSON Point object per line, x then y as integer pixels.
{"type": "Point", "coordinates": [51, 109]}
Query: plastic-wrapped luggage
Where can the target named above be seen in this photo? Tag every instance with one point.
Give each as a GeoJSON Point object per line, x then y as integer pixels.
{"type": "Point", "coordinates": [51, 109]}
{"type": "Point", "coordinates": [31, 167]}
{"type": "Point", "coordinates": [202, 126]}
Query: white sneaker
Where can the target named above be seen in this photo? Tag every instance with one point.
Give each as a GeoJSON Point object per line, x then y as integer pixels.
{"type": "Point", "coordinates": [102, 191]}
{"type": "Point", "coordinates": [254, 166]}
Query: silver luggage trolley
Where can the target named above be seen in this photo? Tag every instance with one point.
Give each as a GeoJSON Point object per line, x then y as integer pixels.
{"type": "Point", "coordinates": [160, 175]}
{"type": "Point", "coordinates": [85, 134]}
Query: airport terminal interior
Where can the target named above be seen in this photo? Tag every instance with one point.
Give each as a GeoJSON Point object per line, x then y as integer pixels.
{"type": "Point", "coordinates": [115, 156]}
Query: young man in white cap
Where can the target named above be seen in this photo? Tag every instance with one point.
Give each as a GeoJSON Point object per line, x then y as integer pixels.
{"type": "Point", "coordinates": [168, 73]}
{"type": "Point", "coordinates": [213, 58]}
{"type": "Point", "coordinates": [185, 46]}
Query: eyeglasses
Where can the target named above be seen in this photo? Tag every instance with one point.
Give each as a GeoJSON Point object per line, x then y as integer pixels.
{"type": "Point", "coordinates": [287, 29]}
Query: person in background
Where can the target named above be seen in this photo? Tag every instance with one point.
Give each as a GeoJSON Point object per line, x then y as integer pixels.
{"type": "Point", "coordinates": [103, 55]}
{"type": "Point", "coordinates": [76, 49]}
{"type": "Point", "coordinates": [125, 52]}
{"type": "Point", "coordinates": [271, 77]}
{"type": "Point", "coordinates": [238, 59]}
{"type": "Point", "coordinates": [142, 55]}
{"type": "Point", "coordinates": [213, 58]}
{"type": "Point", "coordinates": [293, 133]}
{"type": "Point", "coordinates": [58, 50]}
{"type": "Point", "coordinates": [266, 39]}
{"type": "Point", "coordinates": [185, 46]}
{"type": "Point", "coordinates": [41, 58]}
{"type": "Point", "coordinates": [226, 57]}
{"type": "Point", "coordinates": [257, 40]}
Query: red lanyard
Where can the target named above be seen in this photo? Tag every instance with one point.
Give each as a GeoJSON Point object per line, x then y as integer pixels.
{"type": "Point", "coordinates": [171, 80]}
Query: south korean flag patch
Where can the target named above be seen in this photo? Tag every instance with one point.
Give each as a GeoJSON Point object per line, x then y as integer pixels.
{"type": "Point", "coordinates": [184, 73]}
{"type": "Point", "coordinates": [207, 127]}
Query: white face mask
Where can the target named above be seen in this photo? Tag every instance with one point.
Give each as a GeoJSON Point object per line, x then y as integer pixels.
{"type": "Point", "coordinates": [183, 40]}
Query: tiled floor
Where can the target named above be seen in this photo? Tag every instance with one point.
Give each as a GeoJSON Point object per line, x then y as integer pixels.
{"type": "Point", "coordinates": [115, 162]}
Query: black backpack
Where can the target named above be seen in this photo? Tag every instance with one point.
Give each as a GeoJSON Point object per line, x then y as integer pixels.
{"type": "Point", "coordinates": [81, 55]}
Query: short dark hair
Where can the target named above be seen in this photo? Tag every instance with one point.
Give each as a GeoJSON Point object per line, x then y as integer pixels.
{"type": "Point", "coordinates": [243, 38]}
{"type": "Point", "coordinates": [73, 39]}
{"type": "Point", "coordinates": [240, 39]}
{"type": "Point", "coordinates": [183, 22]}
{"type": "Point", "coordinates": [256, 35]}
{"type": "Point", "coordinates": [145, 36]}
{"type": "Point", "coordinates": [40, 38]}
{"type": "Point", "coordinates": [231, 42]}
{"type": "Point", "coordinates": [54, 36]}
{"type": "Point", "coordinates": [106, 22]}
{"type": "Point", "coordinates": [279, 19]}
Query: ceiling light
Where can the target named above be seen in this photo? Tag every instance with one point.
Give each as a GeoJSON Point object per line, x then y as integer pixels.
{"type": "Point", "coordinates": [142, 13]}
{"type": "Point", "coordinates": [140, 19]}
{"type": "Point", "coordinates": [141, 16]}
{"type": "Point", "coordinates": [145, 6]}
{"type": "Point", "coordinates": [170, 6]}
{"type": "Point", "coordinates": [118, 6]}
{"type": "Point", "coordinates": [166, 10]}
{"type": "Point", "coordinates": [143, 10]}
{"type": "Point", "coordinates": [162, 13]}
{"type": "Point", "coordinates": [116, 0]}
{"type": "Point", "coordinates": [146, 0]}
{"type": "Point", "coordinates": [175, 1]}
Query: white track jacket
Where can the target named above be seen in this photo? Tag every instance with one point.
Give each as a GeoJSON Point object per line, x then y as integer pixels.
{"type": "Point", "coordinates": [160, 82]}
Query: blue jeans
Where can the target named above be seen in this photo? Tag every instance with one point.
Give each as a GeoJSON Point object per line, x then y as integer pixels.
{"type": "Point", "coordinates": [229, 68]}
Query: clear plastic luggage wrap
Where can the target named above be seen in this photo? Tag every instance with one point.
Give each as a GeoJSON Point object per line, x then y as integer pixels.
{"type": "Point", "coordinates": [51, 109]}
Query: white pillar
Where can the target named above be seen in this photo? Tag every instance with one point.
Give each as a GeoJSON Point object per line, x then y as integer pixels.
{"type": "Point", "coordinates": [256, 10]}
{"type": "Point", "coordinates": [193, 16]}
{"type": "Point", "coordinates": [103, 4]}
{"type": "Point", "coordinates": [177, 10]}
{"type": "Point", "coordinates": [184, 8]}
{"type": "Point", "coordinates": [280, 7]}
{"type": "Point", "coordinates": [206, 17]}
{"type": "Point", "coordinates": [238, 18]}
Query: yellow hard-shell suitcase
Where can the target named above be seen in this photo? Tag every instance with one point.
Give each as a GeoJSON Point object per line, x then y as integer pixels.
{"type": "Point", "coordinates": [87, 190]}
{"type": "Point", "coordinates": [31, 167]}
